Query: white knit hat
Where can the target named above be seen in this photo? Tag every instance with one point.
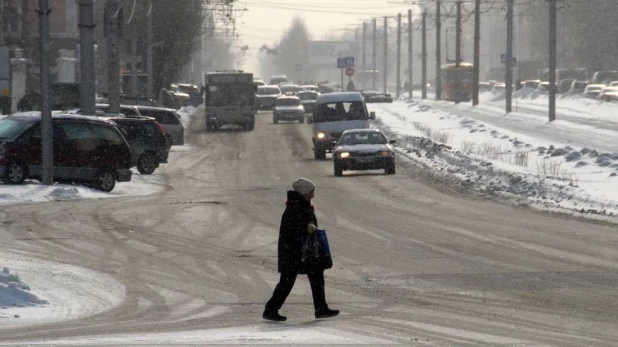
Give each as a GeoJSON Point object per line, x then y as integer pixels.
{"type": "Point", "coordinates": [303, 186]}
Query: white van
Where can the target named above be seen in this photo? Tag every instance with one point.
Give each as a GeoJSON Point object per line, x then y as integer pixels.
{"type": "Point", "coordinates": [336, 113]}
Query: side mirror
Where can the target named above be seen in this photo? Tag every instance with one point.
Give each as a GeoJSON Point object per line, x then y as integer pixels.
{"type": "Point", "coordinates": [392, 142]}
{"type": "Point", "coordinates": [372, 115]}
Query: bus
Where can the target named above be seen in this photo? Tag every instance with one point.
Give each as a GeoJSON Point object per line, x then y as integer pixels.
{"type": "Point", "coordinates": [229, 99]}
{"type": "Point", "coordinates": [457, 82]}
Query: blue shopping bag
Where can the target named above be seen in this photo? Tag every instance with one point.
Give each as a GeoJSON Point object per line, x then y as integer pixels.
{"type": "Point", "coordinates": [316, 251]}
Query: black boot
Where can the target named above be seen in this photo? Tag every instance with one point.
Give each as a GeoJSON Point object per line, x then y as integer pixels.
{"type": "Point", "coordinates": [274, 316]}
{"type": "Point", "coordinates": [325, 313]}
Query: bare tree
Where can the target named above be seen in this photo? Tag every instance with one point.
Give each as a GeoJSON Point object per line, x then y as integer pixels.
{"type": "Point", "coordinates": [293, 52]}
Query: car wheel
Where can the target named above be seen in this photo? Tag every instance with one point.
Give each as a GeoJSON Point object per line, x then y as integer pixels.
{"type": "Point", "coordinates": [390, 170]}
{"type": "Point", "coordinates": [301, 119]}
{"type": "Point", "coordinates": [14, 173]}
{"type": "Point", "coordinates": [147, 163]}
{"type": "Point", "coordinates": [319, 154]}
{"type": "Point", "coordinates": [338, 170]}
{"type": "Point", "coordinates": [106, 180]}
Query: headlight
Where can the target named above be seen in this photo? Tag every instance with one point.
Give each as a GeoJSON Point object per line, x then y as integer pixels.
{"type": "Point", "coordinates": [320, 135]}
{"type": "Point", "coordinates": [385, 154]}
{"type": "Point", "coordinates": [344, 155]}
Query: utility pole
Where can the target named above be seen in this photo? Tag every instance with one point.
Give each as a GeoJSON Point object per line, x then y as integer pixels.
{"type": "Point", "coordinates": [553, 21]}
{"type": "Point", "coordinates": [438, 87]}
{"type": "Point", "coordinates": [113, 55]}
{"type": "Point", "coordinates": [508, 80]}
{"type": "Point", "coordinates": [410, 54]}
{"type": "Point", "coordinates": [373, 65]}
{"type": "Point", "coordinates": [385, 62]}
{"type": "Point", "coordinates": [87, 91]}
{"type": "Point", "coordinates": [47, 175]}
{"type": "Point", "coordinates": [424, 56]}
{"type": "Point", "coordinates": [477, 52]}
{"type": "Point", "coordinates": [398, 75]}
{"type": "Point", "coordinates": [134, 61]}
{"type": "Point", "coordinates": [364, 59]}
{"type": "Point", "coordinates": [458, 36]}
{"type": "Point", "coordinates": [149, 43]}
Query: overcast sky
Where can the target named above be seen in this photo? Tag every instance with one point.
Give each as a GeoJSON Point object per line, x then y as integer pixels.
{"type": "Point", "coordinates": [265, 21]}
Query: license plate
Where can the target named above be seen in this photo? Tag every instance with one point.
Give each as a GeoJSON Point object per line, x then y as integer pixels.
{"type": "Point", "coordinates": [364, 160]}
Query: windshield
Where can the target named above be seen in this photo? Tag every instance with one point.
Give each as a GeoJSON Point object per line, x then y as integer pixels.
{"type": "Point", "coordinates": [362, 138]}
{"type": "Point", "coordinates": [308, 96]}
{"type": "Point", "coordinates": [288, 102]}
{"type": "Point", "coordinates": [341, 111]}
{"type": "Point", "coordinates": [463, 74]}
{"type": "Point", "coordinates": [268, 91]}
{"type": "Point", "coordinates": [230, 95]}
{"type": "Point", "coordinates": [11, 128]}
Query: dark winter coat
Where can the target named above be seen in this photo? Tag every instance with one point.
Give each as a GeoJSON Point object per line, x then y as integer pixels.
{"type": "Point", "coordinates": [296, 217]}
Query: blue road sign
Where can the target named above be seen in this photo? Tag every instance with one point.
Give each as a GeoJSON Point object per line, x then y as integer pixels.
{"type": "Point", "coordinates": [503, 59]}
{"type": "Point", "coordinates": [341, 63]}
{"type": "Point", "coordinates": [349, 61]}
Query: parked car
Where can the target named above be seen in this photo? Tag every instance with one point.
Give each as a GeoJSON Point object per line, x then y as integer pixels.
{"type": "Point", "coordinates": [498, 87]}
{"type": "Point", "coordinates": [137, 100]}
{"type": "Point", "coordinates": [258, 82]}
{"type": "Point", "coordinates": [483, 86]}
{"type": "Point", "coordinates": [195, 94]}
{"type": "Point", "coordinates": [288, 108]}
{"type": "Point", "coordinates": [182, 99]}
{"type": "Point", "coordinates": [577, 87]}
{"type": "Point", "coordinates": [363, 149]}
{"type": "Point", "coordinates": [565, 85]}
{"type": "Point", "coordinates": [608, 94]}
{"type": "Point", "coordinates": [266, 97]}
{"type": "Point", "coordinates": [308, 100]}
{"type": "Point", "coordinates": [604, 77]}
{"type": "Point", "coordinates": [593, 90]}
{"type": "Point", "coordinates": [169, 120]}
{"type": "Point", "coordinates": [543, 87]}
{"type": "Point", "coordinates": [127, 110]}
{"type": "Point", "coordinates": [86, 149]}
{"type": "Point", "coordinates": [146, 138]}
{"type": "Point", "coordinates": [372, 96]}
{"type": "Point", "coordinates": [531, 84]}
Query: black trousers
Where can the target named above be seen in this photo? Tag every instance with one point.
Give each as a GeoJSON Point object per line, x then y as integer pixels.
{"type": "Point", "coordinates": [284, 287]}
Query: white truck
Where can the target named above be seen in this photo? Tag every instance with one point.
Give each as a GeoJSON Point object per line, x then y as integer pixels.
{"type": "Point", "coordinates": [229, 100]}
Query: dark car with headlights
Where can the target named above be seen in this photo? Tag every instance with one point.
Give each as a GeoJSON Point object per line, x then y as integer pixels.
{"type": "Point", "coordinates": [266, 97]}
{"type": "Point", "coordinates": [288, 108]}
{"type": "Point", "coordinates": [308, 99]}
{"type": "Point", "coordinates": [86, 149]}
{"type": "Point", "coordinates": [363, 149]}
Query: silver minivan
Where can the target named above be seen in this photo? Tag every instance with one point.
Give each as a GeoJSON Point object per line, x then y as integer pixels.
{"type": "Point", "coordinates": [336, 113]}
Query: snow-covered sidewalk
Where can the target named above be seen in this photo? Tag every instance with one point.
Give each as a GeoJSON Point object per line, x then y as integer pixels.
{"type": "Point", "coordinates": [567, 166]}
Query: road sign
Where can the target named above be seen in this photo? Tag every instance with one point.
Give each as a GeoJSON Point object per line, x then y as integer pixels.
{"type": "Point", "coordinates": [503, 59]}
{"type": "Point", "coordinates": [349, 71]}
{"type": "Point", "coordinates": [341, 63]}
{"type": "Point", "coordinates": [349, 61]}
